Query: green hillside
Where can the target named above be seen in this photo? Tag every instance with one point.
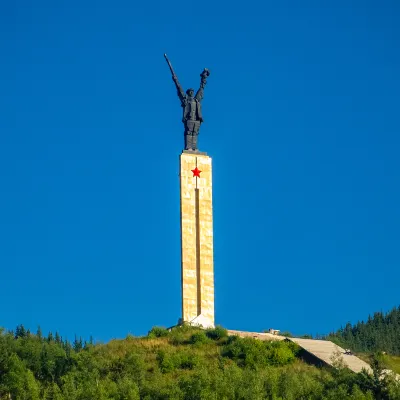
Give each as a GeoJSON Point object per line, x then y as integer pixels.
{"type": "Point", "coordinates": [392, 362]}
{"type": "Point", "coordinates": [387, 361]}
{"type": "Point", "coordinates": [186, 363]}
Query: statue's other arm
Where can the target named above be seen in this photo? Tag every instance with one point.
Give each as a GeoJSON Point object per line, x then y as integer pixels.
{"type": "Point", "coordinates": [181, 93]}
{"type": "Point", "coordinates": [203, 82]}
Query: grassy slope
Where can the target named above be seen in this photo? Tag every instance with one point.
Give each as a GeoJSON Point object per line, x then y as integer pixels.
{"type": "Point", "coordinates": [392, 362]}
{"type": "Point", "coordinates": [389, 361]}
{"type": "Point", "coordinates": [148, 347]}
{"type": "Point", "coordinates": [207, 356]}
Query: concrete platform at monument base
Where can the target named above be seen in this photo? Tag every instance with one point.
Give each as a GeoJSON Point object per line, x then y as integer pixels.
{"type": "Point", "coordinates": [321, 352]}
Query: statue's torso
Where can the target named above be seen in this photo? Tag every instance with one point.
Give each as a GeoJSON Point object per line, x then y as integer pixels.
{"type": "Point", "coordinates": [190, 109]}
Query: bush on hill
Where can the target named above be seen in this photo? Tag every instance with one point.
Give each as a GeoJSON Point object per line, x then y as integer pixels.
{"type": "Point", "coordinates": [158, 331]}
{"type": "Point", "coordinates": [248, 352]}
{"type": "Point", "coordinates": [199, 338]}
{"type": "Point", "coordinates": [217, 333]}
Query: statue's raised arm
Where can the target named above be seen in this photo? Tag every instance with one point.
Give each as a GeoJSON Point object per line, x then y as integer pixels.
{"type": "Point", "coordinates": [181, 93]}
{"type": "Point", "coordinates": [204, 75]}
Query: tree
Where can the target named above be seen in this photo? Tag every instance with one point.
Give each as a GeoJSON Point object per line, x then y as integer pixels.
{"type": "Point", "coordinates": [39, 333]}
{"type": "Point", "coordinates": [57, 338]}
{"type": "Point", "coordinates": [20, 382]}
{"type": "Point", "coordinates": [20, 332]}
{"type": "Point", "coordinates": [77, 345]}
{"type": "Point", "coordinates": [128, 390]}
{"type": "Point", "coordinates": [53, 392]}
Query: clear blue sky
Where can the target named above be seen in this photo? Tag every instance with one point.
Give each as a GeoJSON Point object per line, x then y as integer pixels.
{"type": "Point", "coordinates": [301, 119]}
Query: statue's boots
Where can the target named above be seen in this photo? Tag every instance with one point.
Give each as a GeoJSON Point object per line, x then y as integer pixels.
{"type": "Point", "coordinates": [194, 142]}
{"type": "Point", "coordinates": [188, 142]}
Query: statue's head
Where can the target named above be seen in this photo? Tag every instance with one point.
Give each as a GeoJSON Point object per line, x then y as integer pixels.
{"type": "Point", "coordinates": [190, 92]}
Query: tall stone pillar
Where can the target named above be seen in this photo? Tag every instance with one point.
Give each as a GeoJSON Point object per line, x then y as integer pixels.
{"type": "Point", "coordinates": [197, 239]}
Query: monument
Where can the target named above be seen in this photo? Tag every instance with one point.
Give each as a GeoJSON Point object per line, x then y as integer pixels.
{"type": "Point", "coordinates": [195, 174]}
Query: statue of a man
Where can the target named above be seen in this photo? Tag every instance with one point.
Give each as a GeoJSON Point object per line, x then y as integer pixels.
{"type": "Point", "coordinates": [191, 105]}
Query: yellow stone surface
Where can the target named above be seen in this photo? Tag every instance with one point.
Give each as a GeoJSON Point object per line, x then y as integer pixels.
{"type": "Point", "coordinates": [197, 239]}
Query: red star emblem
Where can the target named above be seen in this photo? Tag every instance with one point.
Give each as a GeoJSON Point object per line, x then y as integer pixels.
{"type": "Point", "coordinates": [196, 172]}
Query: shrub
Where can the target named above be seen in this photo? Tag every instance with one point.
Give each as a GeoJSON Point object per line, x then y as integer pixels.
{"type": "Point", "coordinates": [217, 333]}
{"type": "Point", "coordinates": [199, 338]}
{"type": "Point", "coordinates": [165, 362]}
{"type": "Point", "coordinates": [187, 360]}
{"type": "Point", "coordinates": [280, 354]}
{"type": "Point", "coordinates": [256, 353]}
{"type": "Point", "coordinates": [177, 337]}
{"type": "Point", "coordinates": [186, 327]}
{"type": "Point", "coordinates": [158, 331]}
{"type": "Point", "coordinates": [169, 361]}
{"type": "Point", "coordinates": [294, 347]}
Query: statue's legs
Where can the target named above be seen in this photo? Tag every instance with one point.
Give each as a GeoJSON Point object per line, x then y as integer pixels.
{"type": "Point", "coordinates": [191, 132]}
{"type": "Point", "coordinates": [194, 141]}
{"type": "Point", "coordinates": [195, 132]}
{"type": "Point", "coordinates": [188, 141]}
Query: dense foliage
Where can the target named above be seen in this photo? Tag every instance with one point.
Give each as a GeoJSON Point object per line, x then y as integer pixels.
{"type": "Point", "coordinates": [185, 363]}
{"type": "Point", "coordinates": [381, 332]}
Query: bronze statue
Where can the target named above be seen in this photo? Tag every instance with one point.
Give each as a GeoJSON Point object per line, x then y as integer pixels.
{"type": "Point", "coordinates": [191, 105]}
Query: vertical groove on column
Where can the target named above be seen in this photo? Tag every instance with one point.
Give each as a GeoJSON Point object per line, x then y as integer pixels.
{"type": "Point", "coordinates": [198, 275]}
